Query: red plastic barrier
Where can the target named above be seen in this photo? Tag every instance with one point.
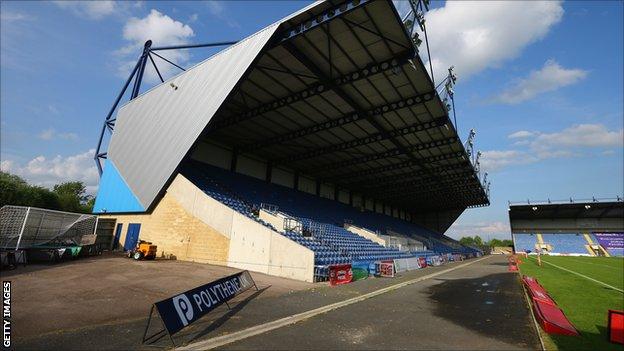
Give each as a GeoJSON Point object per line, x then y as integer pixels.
{"type": "Point", "coordinates": [536, 290]}
{"type": "Point", "coordinates": [513, 264]}
{"type": "Point", "coordinates": [549, 316]}
{"type": "Point", "coordinates": [552, 319]}
{"type": "Point", "coordinates": [422, 262]}
{"type": "Point", "coordinates": [340, 274]}
{"type": "Point", "coordinates": [616, 326]}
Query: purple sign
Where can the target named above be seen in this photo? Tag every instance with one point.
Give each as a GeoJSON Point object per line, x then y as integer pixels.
{"type": "Point", "coordinates": [610, 241]}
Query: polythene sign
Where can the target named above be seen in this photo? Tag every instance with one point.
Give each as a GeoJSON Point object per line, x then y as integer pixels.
{"type": "Point", "coordinates": [179, 311]}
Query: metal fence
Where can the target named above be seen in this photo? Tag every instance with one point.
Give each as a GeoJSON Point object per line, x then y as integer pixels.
{"type": "Point", "coordinates": [25, 227]}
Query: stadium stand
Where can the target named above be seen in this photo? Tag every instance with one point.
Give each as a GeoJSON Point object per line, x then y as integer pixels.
{"type": "Point", "coordinates": [350, 132]}
{"type": "Point", "coordinates": [524, 242]}
{"type": "Point", "coordinates": [589, 227]}
{"type": "Point", "coordinates": [566, 243]}
{"type": "Point", "coordinates": [252, 193]}
{"type": "Point", "coordinates": [321, 218]}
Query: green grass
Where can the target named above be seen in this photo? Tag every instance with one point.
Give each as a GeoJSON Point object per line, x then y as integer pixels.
{"type": "Point", "coordinates": [583, 301]}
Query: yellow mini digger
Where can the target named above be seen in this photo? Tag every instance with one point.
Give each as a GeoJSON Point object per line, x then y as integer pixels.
{"type": "Point", "coordinates": [144, 250]}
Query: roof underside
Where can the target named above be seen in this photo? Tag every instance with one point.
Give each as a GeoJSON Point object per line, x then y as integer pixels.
{"type": "Point", "coordinates": [588, 210]}
{"type": "Point", "coordinates": [339, 94]}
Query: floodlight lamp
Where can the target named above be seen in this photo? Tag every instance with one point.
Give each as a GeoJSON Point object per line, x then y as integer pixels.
{"type": "Point", "coordinates": [587, 207]}
{"type": "Point", "coordinates": [534, 208]}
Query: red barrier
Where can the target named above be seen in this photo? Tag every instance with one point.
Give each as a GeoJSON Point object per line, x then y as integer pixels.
{"type": "Point", "coordinates": [340, 274]}
{"type": "Point", "coordinates": [422, 262]}
{"type": "Point", "coordinates": [616, 326]}
{"type": "Point", "coordinates": [549, 316]}
{"type": "Point", "coordinates": [536, 290]}
{"type": "Point", "coordinates": [513, 264]}
{"type": "Point", "coordinates": [552, 319]}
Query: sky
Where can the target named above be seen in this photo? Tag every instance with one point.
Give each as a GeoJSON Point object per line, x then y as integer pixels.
{"type": "Point", "coordinates": [540, 82]}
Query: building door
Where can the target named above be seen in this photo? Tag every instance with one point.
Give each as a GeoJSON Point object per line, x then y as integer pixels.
{"type": "Point", "coordinates": [117, 236]}
{"type": "Point", "coordinates": [132, 236]}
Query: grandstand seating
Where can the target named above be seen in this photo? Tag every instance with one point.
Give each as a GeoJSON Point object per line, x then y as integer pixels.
{"type": "Point", "coordinates": [566, 243]}
{"type": "Point", "coordinates": [524, 242]}
{"type": "Point", "coordinates": [322, 218]}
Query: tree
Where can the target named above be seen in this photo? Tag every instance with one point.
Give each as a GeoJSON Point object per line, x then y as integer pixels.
{"type": "Point", "coordinates": [478, 241]}
{"type": "Point", "coordinates": [495, 243]}
{"type": "Point", "coordinates": [68, 196]}
{"type": "Point", "coordinates": [15, 191]}
{"type": "Point", "coordinates": [467, 241]}
{"type": "Point", "coordinates": [72, 196]}
{"type": "Point", "coordinates": [507, 242]}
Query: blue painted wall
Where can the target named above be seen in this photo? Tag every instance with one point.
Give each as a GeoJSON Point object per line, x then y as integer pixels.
{"type": "Point", "coordinates": [114, 195]}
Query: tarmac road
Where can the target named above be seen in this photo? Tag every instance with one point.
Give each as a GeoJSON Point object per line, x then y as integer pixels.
{"type": "Point", "coordinates": [477, 307]}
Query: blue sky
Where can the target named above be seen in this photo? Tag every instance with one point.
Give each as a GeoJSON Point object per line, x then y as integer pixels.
{"type": "Point", "coordinates": [542, 84]}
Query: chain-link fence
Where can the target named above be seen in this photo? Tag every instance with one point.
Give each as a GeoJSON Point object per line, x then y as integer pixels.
{"type": "Point", "coordinates": [25, 227]}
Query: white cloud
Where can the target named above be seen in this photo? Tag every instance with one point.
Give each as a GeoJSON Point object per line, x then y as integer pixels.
{"type": "Point", "coordinates": [53, 109]}
{"type": "Point", "coordinates": [51, 134]}
{"type": "Point", "coordinates": [215, 7]}
{"type": "Point", "coordinates": [521, 134]}
{"type": "Point", "coordinates": [163, 31]}
{"type": "Point", "coordinates": [17, 27]}
{"type": "Point", "coordinates": [587, 135]}
{"type": "Point", "coordinates": [47, 172]}
{"type": "Point", "coordinates": [494, 160]}
{"type": "Point", "coordinates": [218, 9]}
{"type": "Point", "coordinates": [550, 77]}
{"type": "Point", "coordinates": [9, 16]}
{"type": "Point", "coordinates": [90, 9]}
{"type": "Point", "coordinates": [483, 229]}
{"type": "Point", "coordinates": [568, 142]}
{"type": "Point", "coordinates": [476, 35]}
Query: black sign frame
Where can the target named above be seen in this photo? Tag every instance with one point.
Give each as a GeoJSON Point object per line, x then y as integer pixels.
{"type": "Point", "coordinates": [178, 311]}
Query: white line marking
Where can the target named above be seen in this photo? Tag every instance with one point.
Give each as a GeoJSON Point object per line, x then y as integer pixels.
{"type": "Point", "coordinates": [266, 327]}
{"type": "Point", "coordinates": [584, 276]}
{"type": "Point", "coordinates": [596, 264]}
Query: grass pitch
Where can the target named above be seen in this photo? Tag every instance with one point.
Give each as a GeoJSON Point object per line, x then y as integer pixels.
{"type": "Point", "coordinates": [585, 302]}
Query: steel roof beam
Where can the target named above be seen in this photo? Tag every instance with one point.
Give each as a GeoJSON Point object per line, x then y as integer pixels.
{"type": "Point", "coordinates": [326, 16]}
{"type": "Point", "coordinates": [388, 153]}
{"type": "Point", "coordinates": [372, 138]}
{"type": "Point", "coordinates": [343, 120]}
{"type": "Point", "coordinates": [315, 89]}
{"type": "Point", "coordinates": [418, 176]}
{"type": "Point", "coordinates": [415, 188]}
{"type": "Point", "coordinates": [458, 181]}
{"type": "Point", "coordinates": [459, 191]}
{"type": "Point", "coordinates": [407, 163]}
{"type": "Point", "coordinates": [382, 133]}
{"type": "Point", "coordinates": [395, 166]}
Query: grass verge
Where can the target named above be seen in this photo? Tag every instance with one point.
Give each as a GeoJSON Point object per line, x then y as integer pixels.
{"type": "Point", "coordinates": [584, 302]}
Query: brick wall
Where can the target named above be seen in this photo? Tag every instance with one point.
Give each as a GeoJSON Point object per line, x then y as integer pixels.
{"type": "Point", "coordinates": [177, 233]}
